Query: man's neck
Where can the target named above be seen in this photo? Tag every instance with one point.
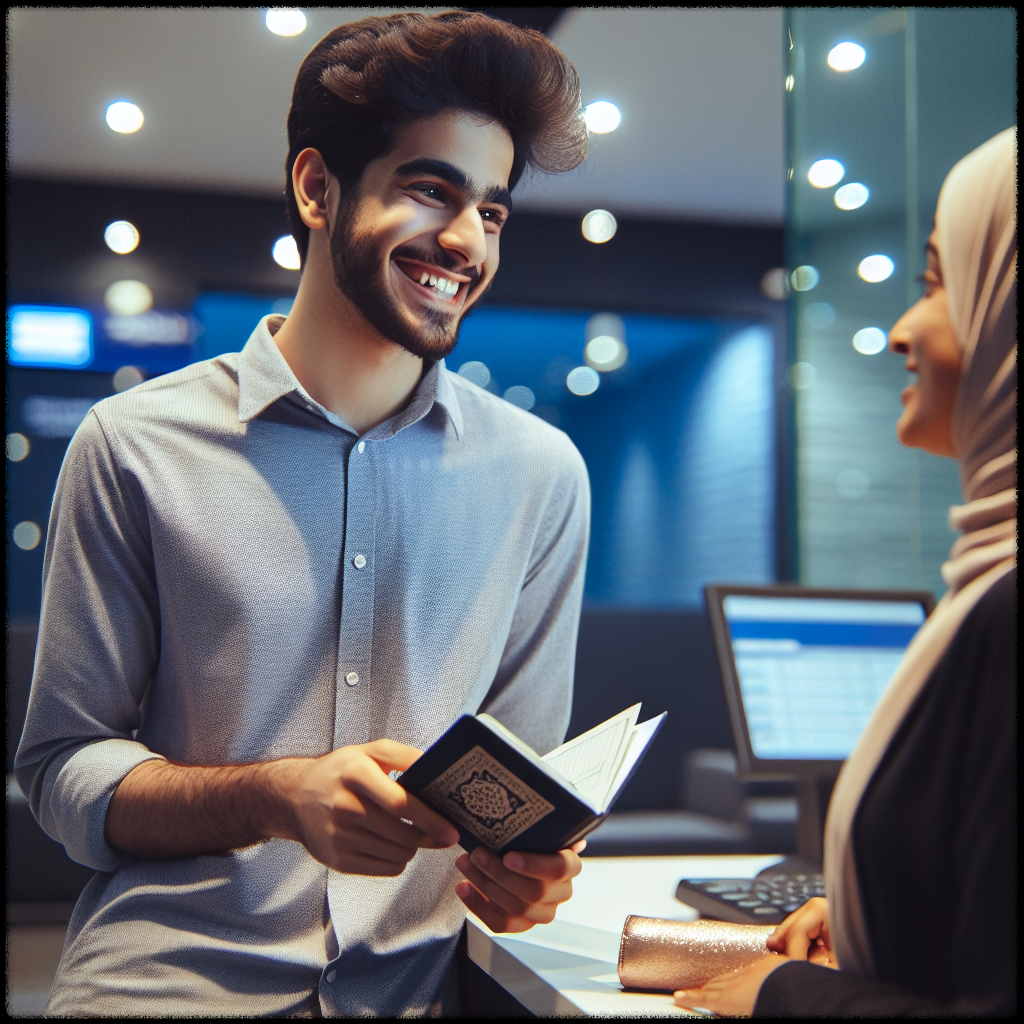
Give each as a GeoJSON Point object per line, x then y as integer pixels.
{"type": "Point", "coordinates": [340, 360]}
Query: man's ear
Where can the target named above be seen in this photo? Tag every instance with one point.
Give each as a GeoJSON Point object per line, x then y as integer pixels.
{"type": "Point", "coordinates": [310, 179]}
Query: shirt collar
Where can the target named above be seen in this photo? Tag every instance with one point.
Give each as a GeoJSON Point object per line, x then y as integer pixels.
{"type": "Point", "coordinates": [264, 376]}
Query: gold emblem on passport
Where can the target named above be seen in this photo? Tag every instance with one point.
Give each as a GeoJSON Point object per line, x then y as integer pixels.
{"type": "Point", "coordinates": [485, 798]}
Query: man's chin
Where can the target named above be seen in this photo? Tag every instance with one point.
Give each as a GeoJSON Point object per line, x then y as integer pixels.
{"type": "Point", "coordinates": [434, 337]}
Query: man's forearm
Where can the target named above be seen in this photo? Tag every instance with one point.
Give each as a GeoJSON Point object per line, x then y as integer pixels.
{"type": "Point", "coordinates": [162, 810]}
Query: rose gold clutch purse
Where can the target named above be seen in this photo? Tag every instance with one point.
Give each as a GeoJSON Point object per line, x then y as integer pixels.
{"type": "Point", "coordinates": [670, 955]}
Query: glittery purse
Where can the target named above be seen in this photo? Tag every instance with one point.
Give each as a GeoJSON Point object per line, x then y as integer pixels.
{"type": "Point", "coordinates": [670, 955]}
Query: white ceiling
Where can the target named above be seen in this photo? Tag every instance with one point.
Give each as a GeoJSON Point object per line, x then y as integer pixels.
{"type": "Point", "coordinates": [700, 92]}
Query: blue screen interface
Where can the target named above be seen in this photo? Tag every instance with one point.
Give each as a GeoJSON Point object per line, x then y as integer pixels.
{"type": "Point", "coordinates": [811, 670]}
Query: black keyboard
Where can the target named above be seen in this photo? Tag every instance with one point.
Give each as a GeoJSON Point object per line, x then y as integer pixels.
{"type": "Point", "coordinates": [766, 899]}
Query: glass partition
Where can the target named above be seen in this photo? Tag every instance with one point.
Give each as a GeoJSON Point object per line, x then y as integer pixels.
{"type": "Point", "coordinates": [880, 105]}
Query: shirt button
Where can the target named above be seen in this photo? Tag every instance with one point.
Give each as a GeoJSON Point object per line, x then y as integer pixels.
{"type": "Point", "coordinates": [361, 447]}
{"type": "Point", "coordinates": [352, 678]}
{"type": "Point", "coordinates": [359, 561]}
{"type": "Point", "coordinates": [309, 408]}
{"type": "Point", "coordinates": [331, 975]}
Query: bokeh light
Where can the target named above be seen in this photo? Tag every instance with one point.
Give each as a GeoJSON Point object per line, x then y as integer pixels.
{"type": "Point", "coordinates": [121, 236]}
{"type": "Point", "coordinates": [869, 341]}
{"type": "Point", "coordinates": [852, 196]}
{"type": "Point", "coordinates": [124, 117]}
{"type": "Point", "coordinates": [599, 226]}
{"type": "Point", "coordinates": [602, 117]}
{"type": "Point", "coordinates": [804, 278]}
{"type": "Point", "coordinates": [476, 372]}
{"type": "Point", "coordinates": [583, 380]}
{"type": "Point", "coordinates": [27, 535]}
{"type": "Point", "coordinates": [875, 268]}
{"type": "Point", "coordinates": [819, 314]}
{"type": "Point", "coordinates": [127, 377]}
{"type": "Point", "coordinates": [825, 173]}
{"type": "Point", "coordinates": [521, 396]}
{"type": "Point", "coordinates": [18, 447]}
{"type": "Point", "coordinates": [285, 21]}
{"type": "Point", "coordinates": [802, 375]}
{"type": "Point", "coordinates": [846, 57]}
{"type": "Point", "coordinates": [286, 253]}
{"type": "Point", "coordinates": [128, 298]}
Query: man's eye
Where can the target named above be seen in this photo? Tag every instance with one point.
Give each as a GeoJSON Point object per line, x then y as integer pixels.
{"type": "Point", "coordinates": [426, 189]}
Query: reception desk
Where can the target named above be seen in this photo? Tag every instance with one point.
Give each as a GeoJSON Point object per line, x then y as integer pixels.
{"type": "Point", "coordinates": [568, 968]}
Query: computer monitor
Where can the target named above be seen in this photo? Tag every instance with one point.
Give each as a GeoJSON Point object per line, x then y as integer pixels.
{"type": "Point", "coordinates": [803, 669]}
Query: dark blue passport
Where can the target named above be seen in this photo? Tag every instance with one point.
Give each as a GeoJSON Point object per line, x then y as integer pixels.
{"type": "Point", "coordinates": [501, 794]}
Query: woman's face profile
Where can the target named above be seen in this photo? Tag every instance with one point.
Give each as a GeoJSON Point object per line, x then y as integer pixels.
{"type": "Point", "coordinates": [924, 334]}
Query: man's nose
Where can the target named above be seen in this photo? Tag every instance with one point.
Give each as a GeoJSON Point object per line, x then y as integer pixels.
{"type": "Point", "coordinates": [465, 235]}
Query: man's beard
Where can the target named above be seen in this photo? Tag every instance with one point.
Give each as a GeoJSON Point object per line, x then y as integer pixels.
{"type": "Point", "coordinates": [360, 271]}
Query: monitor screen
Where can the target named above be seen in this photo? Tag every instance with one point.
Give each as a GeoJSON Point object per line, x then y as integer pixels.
{"type": "Point", "coordinates": [811, 669]}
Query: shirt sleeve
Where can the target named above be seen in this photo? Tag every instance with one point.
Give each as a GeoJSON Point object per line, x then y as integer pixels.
{"type": "Point", "coordinates": [97, 650]}
{"type": "Point", "coordinates": [532, 691]}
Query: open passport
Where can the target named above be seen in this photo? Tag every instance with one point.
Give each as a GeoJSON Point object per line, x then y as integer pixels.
{"type": "Point", "coordinates": [501, 794]}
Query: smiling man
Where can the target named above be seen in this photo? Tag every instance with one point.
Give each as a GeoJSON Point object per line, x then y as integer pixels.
{"type": "Point", "coordinates": [273, 578]}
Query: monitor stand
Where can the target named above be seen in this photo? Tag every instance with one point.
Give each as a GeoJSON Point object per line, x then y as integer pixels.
{"type": "Point", "coordinates": [813, 793]}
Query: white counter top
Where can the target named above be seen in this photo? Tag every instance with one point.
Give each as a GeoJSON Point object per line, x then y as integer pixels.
{"type": "Point", "coordinates": [568, 967]}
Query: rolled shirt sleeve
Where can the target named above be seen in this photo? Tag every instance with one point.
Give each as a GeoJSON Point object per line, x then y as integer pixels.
{"type": "Point", "coordinates": [98, 648]}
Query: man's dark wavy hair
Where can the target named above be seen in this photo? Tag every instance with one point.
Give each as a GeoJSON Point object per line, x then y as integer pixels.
{"type": "Point", "coordinates": [366, 78]}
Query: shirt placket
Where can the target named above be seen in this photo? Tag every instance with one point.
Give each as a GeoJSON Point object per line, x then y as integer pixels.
{"type": "Point", "coordinates": [355, 639]}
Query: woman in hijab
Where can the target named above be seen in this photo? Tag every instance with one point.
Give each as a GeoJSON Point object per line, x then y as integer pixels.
{"type": "Point", "coordinates": [921, 836]}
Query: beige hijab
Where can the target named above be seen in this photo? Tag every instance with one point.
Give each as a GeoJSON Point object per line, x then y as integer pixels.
{"type": "Point", "coordinates": [977, 243]}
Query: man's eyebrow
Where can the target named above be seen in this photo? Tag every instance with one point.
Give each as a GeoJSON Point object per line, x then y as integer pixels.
{"type": "Point", "coordinates": [457, 178]}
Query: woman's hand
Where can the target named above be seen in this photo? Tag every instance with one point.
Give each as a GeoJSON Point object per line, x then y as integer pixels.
{"type": "Point", "coordinates": [804, 935]}
{"type": "Point", "coordinates": [733, 994]}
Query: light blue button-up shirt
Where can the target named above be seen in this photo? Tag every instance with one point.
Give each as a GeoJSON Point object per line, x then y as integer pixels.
{"type": "Point", "coordinates": [232, 575]}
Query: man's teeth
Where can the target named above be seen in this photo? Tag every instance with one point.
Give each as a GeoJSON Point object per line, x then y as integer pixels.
{"type": "Point", "coordinates": [442, 284]}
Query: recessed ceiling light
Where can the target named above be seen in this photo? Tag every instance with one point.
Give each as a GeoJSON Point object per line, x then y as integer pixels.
{"type": "Point", "coordinates": [128, 298]}
{"type": "Point", "coordinates": [599, 226]}
{"type": "Point", "coordinates": [286, 253]}
{"type": "Point", "coordinates": [846, 57]}
{"type": "Point", "coordinates": [602, 117]}
{"type": "Point", "coordinates": [122, 236]}
{"type": "Point", "coordinates": [285, 21]}
{"type": "Point", "coordinates": [875, 268]}
{"type": "Point", "coordinates": [825, 173]}
{"type": "Point", "coordinates": [852, 196]}
{"type": "Point", "coordinates": [124, 117]}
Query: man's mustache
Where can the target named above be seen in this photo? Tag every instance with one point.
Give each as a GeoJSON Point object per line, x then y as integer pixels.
{"type": "Point", "coordinates": [438, 258]}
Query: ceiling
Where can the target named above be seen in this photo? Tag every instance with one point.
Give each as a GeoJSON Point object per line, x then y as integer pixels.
{"type": "Point", "coordinates": [700, 92]}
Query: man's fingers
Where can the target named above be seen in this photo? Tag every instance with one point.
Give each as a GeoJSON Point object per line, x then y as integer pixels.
{"type": "Point", "coordinates": [398, 802]}
{"type": "Point", "coordinates": [552, 867]}
{"type": "Point", "coordinates": [352, 863]}
{"type": "Point", "coordinates": [391, 755]}
{"type": "Point", "coordinates": [491, 915]}
{"type": "Point", "coordinates": [371, 844]}
{"type": "Point", "coordinates": [536, 904]}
